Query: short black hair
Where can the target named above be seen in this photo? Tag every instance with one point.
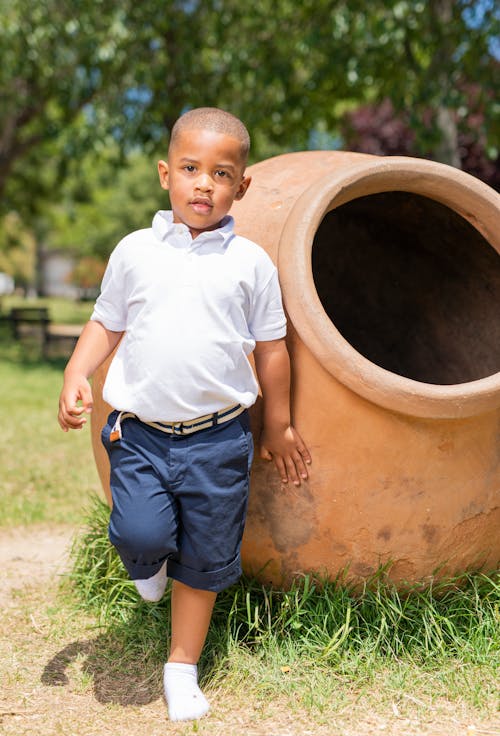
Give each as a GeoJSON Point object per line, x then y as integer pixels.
{"type": "Point", "coordinates": [213, 118]}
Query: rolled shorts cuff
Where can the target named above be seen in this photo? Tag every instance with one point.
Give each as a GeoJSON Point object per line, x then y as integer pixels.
{"type": "Point", "coordinates": [141, 572]}
{"type": "Point", "coordinates": [213, 580]}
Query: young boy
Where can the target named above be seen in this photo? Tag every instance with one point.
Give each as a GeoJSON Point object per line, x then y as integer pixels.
{"type": "Point", "coordinates": [189, 300]}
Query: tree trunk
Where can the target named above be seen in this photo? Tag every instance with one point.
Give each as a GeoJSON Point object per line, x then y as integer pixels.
{"type": "Point", "coordinates": [447, 150]}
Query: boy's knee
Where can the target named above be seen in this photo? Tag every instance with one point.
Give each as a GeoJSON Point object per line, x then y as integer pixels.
{"type": "Point", "coordinates": [143, 543]}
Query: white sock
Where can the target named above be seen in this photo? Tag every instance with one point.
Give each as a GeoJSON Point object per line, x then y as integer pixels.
{"type": "Point", "coordinates": [152, 589]}
{"type": "Point", "coordinates": [184, 698]}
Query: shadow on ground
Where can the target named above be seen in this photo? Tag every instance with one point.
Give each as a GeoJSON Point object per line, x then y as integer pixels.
{"type": "Point", "coordinates": [125, 661]}
{"type": "Point", "coordinates": [123, 680]}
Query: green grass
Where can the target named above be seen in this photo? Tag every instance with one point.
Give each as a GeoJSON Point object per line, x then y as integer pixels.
{"type": "Point", "coordinates": [441, 641]}
{"type": "Point", "coordinates": [323, 645]}
{"type": "Point", "coordinates": [47, 475]}
{"type": "Point", "coordinates": [65, 311]}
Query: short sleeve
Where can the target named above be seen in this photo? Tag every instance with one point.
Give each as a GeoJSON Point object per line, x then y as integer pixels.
{"type": "Point", "coordinates": [267, 320]}
{"type": "Point", "coordinates": [110, 307]}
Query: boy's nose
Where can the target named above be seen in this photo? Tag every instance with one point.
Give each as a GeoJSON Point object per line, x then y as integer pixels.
{"type": "Point", "coordinates": [204, 183]}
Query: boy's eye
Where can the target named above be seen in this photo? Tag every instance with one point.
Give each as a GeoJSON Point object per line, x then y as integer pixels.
{"type": "Point", "coordinates": [221, 173]}
{"type": "Point", "coordinates": [190, 168]}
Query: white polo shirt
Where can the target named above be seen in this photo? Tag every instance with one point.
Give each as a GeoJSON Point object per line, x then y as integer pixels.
{"type": "Point", "coordinates": [192, 311]}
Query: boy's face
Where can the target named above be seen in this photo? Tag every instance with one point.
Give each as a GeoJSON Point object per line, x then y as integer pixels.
{"type": "Point", "coordinates": [204, 175]}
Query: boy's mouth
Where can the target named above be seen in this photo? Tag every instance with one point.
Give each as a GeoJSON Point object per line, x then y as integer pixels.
{"type": "Point", "coordinates": [201, 206]}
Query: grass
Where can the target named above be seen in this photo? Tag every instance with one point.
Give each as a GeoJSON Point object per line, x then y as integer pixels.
{"type": "Point", "coordinates": [321, 646]}
{"type": "Point", "coordinates": [47, 475]}
{"type": "Point", "coordinates": [439, 641]}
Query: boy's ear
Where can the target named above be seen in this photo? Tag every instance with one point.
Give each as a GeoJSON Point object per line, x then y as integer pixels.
{"type": "Point", "coordinates": [163, 174]}
{"type": "Point", "coordinates": [244, 184]}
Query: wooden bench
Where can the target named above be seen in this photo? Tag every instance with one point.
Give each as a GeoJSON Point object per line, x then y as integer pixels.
{"type": "Point", "coordinates": [34, 323]}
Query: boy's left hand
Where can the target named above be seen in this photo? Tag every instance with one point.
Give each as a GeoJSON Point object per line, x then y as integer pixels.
{"type": "Point", "coordinates": [286, 447]}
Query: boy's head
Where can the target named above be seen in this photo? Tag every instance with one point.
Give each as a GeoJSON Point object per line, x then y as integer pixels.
{"type": "Point", "coordinates": [205, 171]}
{"type": "Point", "coordinates": [211, 118]}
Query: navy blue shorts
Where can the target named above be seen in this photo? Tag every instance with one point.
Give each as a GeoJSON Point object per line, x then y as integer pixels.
{"type": "Point", "coordinates": [181, 498]}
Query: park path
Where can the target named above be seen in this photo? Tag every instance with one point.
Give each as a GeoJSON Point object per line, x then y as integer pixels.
{"type": "Point", "coordinates": [32, 556]}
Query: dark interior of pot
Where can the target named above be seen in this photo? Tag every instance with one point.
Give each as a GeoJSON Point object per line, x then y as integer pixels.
{"type": "Point", "coordinates": [412, 286]}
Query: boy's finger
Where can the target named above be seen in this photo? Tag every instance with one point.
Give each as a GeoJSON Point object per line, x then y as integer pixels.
{"type": "Point", "coordinates": [62, 423]}
{"type": "Point", "coordinates": [300, 465]}
{"type": "Point", "coordinates": [292, 471]}
{"type": "Point", "coordinates": [81, 400]}
{"type": "Point", "coordinates": [305, 454]}
{"type": "Point", "coordinates": [265, 454]}
{"type": "Point", "coordinates": [70, 417]}
{"type": "Point", "coordinates": [301, 448]}
{"type": "Point", "coordinates": [281, 467]}
{"type": "Point", "coordinates": [87, 401]}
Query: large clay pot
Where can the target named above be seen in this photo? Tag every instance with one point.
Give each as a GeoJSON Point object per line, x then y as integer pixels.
{"type": "Point", "coordinates": [391, 281]}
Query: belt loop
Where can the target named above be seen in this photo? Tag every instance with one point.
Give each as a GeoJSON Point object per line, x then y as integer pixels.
{"type": "Point", "coordinates": [215, 418]}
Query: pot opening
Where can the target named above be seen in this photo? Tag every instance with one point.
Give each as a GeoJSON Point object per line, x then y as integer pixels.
{"type": "Point", "coordinates": [412, 286]}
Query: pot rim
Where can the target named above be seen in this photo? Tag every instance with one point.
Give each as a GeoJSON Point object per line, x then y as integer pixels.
{"type": "Point", "coordinates": [467, 196]}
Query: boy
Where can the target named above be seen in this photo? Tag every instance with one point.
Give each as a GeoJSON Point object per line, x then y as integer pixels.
{"type": "Point", "coordinates": [189, 301]}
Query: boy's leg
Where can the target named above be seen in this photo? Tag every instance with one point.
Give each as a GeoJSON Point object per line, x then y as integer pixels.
{"type": "Point", "coordinates": [191, 614]}
{"type": "Point", "coordinates": [144, 521]}
{"type": "Point", "coordinates": [212, 499]}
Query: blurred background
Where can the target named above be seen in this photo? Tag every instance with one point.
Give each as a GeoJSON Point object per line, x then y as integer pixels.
{"type": "Point", "coordinates": [89, 92]}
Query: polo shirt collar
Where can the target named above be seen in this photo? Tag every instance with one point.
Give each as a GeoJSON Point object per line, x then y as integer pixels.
{"type": "Point", "coordinates": [164, 227]}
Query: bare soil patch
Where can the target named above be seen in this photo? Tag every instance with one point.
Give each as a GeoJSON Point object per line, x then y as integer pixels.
{"type": "Point", "coordinates": [54, 678]}
{"type": "Point", "coordinates": [32, 556]}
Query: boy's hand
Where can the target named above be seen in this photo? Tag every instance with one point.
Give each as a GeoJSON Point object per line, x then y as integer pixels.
{"type": "Point", "coordinates": [286, 447]}
{"type": "Point", "coordinates": [76, 388]}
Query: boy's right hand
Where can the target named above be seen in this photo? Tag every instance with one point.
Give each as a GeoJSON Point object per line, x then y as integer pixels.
{"type": "Point", "coordinates": [76, 389]}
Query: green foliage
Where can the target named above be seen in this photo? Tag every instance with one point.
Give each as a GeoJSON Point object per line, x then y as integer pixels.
{"type": "Point", "coordinates": [437, 50]}
{"type": "Point", "coordinates": [90, 220]}
{"type": "Point", "coordinates": [62, 73]}
{"type": "Point", "coordinates": [17, 249]}
{"type": "Point", "coordinates": [124, 72]}
{"type": "Point", "coordinates": [80, 91]}
{"type": "Point", "coordinates": [98, 573]}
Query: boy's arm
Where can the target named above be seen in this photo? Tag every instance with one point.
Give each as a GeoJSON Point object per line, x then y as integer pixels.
{"type": "Point", "coordinates": [94, 345]}
{"type": "Point", "coordinates": [279, 440]}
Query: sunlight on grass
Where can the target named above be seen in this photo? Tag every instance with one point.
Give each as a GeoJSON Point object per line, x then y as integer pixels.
{"type": "Point", "coordinates": [47, 475]}
{"type": "Point", "coordinates": [321, 646]}
{"type": "Point", "coordinates": [319, 643]}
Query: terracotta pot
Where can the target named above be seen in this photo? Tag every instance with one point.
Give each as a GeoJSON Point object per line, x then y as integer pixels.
{"type": "Point", "coordinates": [391, 280]}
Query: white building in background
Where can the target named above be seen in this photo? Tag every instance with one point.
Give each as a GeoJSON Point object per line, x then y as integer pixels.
{"type": "Point", "coordinates": [7, 285]}
{"type": "Point", "coordinates": [56, 271]}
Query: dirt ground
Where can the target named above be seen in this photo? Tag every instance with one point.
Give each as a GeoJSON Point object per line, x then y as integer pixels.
{"type": "Point", "coordinates": [47, 687]}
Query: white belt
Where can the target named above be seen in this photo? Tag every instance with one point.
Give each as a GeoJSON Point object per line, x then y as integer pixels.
{"type": "Point", "coordinates": [180, 428]}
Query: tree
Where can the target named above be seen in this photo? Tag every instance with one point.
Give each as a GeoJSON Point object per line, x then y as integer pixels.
{"type": "Point", "coordinates": [424, 56]}
{"type": "Point", "coordinates": [86, 83]}
{"type": "Point", "coordinates": [90, 220]}
{"type": "Point", "coordinates": [55, 64]}
{"type": "Point", "coordinates": [120, 73]}
{"type": "Point", "coordinates": [17, 250]}
{"type": "Point", "coordinates": [380, 130]}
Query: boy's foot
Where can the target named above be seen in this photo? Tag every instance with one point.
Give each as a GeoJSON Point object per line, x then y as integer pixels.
{"type": "Point", "coordinates": [152, 589]}
{"type": "Point", "coordinates": [184, 698]}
